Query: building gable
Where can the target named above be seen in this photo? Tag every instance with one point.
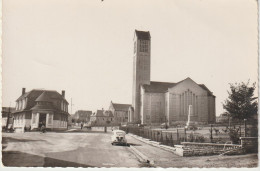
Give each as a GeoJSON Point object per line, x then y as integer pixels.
{"type": "Point", "coordinates": [187, 84]}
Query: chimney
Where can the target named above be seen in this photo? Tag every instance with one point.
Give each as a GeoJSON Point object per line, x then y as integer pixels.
{"type": "Point", "coordinates": [63, 93]}
{"type": "Point", "coordinates": [23, 91]}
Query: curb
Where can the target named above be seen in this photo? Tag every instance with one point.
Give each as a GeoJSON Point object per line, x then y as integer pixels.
{"type": "Point", "coordinates": [141, 156]}
{"type": "Point", "coordinates": [154, 143]}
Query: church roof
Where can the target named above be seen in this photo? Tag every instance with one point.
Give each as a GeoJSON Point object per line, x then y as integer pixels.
{"type": "Point", "coordinates": [121, 107]}
{"type": "Point", "coordinates": [162, 87]}
{"type": "Point", "coordinates": [144, 35]}
{"type": "Point", "coordinates": [158, 87]}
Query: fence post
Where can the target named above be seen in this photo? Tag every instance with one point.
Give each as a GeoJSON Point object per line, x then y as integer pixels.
{"type": "Point", "coordinates": [171, 142]}
{"type": "Point", "coordinates": [177, 135]}
{"type": "Point", "coordinates": [161, 137]}
{"type": "Point", "coordinates": [185, 138]}
{"type": "Point", "coordinates": [245, 126]}
{"type": "Point", "coordinates": [211, 137]}
{"type": "Point", "coordinates": [166, 142]}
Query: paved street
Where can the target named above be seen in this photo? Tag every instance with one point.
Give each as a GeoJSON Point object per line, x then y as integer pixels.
{"type": "Point", "coordinates": [94, 149]}
{"type": "Point", "coordinates": [65, 149]}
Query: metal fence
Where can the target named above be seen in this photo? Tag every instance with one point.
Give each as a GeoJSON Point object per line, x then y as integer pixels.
{"type": "Point", "coordinates": [170, 138]}
{"type": "Point", "coordinates": [176, 136]}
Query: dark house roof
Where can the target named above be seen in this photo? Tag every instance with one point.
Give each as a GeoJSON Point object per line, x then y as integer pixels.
{"type": "Point", "coordinates": [143, 35]}
{"type": "Point", "coordinates": [8, 109]}
{"type": "Point", "coordinates": [83, 113]}
{"type": "Point", "coordinates": [103, 113]}
{"type": "Point", "coordinates": [121, 107]}
{"type": "Point", "coordinates": [44, 97]}
{"type": "Point", "coordinates": [50, 97]}
{"type": "Point", "coordinates": [34, 94]}
{"type": "Point", "coordinates": [45, 106]}
{"type": "Point", "coordinates": [162, 87]}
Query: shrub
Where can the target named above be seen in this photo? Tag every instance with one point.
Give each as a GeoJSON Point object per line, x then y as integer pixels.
{"type": "Point", "coordinates": [200, 138]}
{"type": "Point", "coordinates": [234, 135]}
{"type": "Point", "coordinates": [193, 127]}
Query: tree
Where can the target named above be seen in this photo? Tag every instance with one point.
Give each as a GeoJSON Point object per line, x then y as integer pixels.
{"type": "Point", "coordinates": [241, 103]}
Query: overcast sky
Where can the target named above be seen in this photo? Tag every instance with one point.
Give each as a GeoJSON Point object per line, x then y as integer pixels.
{"type": "Point", "coordinates": [85, 47]}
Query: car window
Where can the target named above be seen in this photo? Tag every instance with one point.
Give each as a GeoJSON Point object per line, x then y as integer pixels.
{"type": "Point", "coordinates": [120, 133]}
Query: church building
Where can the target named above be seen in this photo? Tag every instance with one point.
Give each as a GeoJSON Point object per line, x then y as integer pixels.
{"type": "Point", "coordinates": [158, 102]}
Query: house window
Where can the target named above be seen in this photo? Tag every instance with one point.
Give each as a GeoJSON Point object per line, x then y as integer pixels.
{"type": "Point", "coordinates": [33, 118]}
{"type": "Point", "coordinates": [50, 119]}
{"type": "Point", "coordinates": [24, 101]}
{"type": "Point", "coordinates": [20, 104]}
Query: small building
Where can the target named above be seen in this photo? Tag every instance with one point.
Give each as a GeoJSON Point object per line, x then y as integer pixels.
{"type": "Point", "coordinates": [120, 112]}
{"type": "Point", "coordinates": [223, 118]}
{"type": "Point", "coordinates": [7, 111]}
{"type": "Point", "coordinates": [38, 107]}
{"type": "Point", "coordinates": [102, 118]}
{"type": "Point", "coordinates": [82, 116]}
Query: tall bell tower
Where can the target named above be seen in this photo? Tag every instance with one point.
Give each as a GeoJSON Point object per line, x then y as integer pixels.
{"type": "Point", "coordinates": [141, 69]}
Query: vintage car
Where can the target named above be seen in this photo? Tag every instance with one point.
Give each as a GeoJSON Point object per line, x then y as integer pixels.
{"type": "Point", "coordinates": [118, 138]}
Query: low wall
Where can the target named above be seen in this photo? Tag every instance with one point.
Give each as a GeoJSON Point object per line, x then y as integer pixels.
{"type": "Point", "coordinates": [250, 144]}
{"type": "Point", "coordinates": [202, 149]}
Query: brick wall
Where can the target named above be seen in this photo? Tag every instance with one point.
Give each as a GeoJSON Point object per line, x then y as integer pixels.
{"type": "Point", "coordinates": [250, 144]}
{"type": "Point", "coordinates": [202, 149]}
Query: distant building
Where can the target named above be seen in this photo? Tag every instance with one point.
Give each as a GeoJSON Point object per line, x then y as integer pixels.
{"type": "Point", "coordinates": [102, 118]}
{"type": "Point", "coordinates": [157, 102]}
{"type": "Point", "coordinates": [82, 116]}
{"type": "Point", "coordinates": [5, 111]}
{"type": "Point", "coordinates": [120, 112]}
{"type": "Point", "coordinates": [223, 118]}
{"type": "Point", "coordinates": [38, 107]}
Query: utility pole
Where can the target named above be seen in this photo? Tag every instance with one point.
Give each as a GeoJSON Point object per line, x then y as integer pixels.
{"type": "Point", "coordinates": [8, 115]}
{"type": "Point", "coordinates": [71, 106]}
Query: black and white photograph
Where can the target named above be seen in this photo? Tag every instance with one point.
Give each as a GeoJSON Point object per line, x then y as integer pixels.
{"type": "Point", "coordinates": [129, 84]}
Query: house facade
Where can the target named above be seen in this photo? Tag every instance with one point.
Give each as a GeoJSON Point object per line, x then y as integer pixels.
{"type": "Point", "coordinates": [120, 112]}
{"type": "Point", "coordinates": [102, 118]}
{"type": "Point", "coordinates": [38, 107]}
{"type": "Point", "coordinates": [7, 112]}
{"type": "Point", "coordinates": [82, 116]}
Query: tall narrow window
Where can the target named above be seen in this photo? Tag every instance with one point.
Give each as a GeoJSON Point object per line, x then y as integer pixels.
{"type": "Point", "coordinates": [50, 119]}
{"type": "Point", "coordinates": [144, 45]}
{"type": "Point", "coordinates": [33, 118]}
